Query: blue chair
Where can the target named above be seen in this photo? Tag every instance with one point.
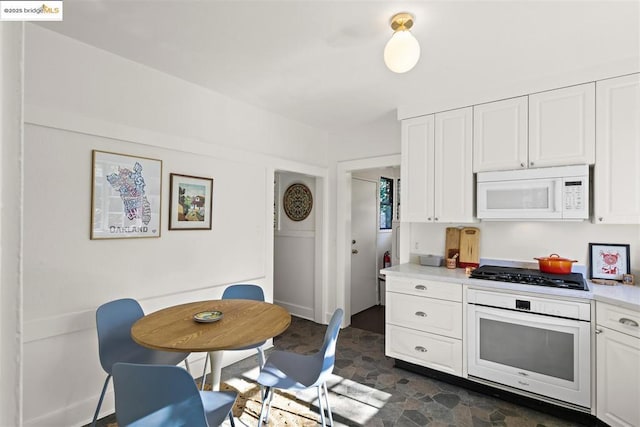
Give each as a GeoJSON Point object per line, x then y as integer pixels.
{"type": "Point", "coordinates": [113, 322]}
{"type": "Point", "coordinates": [292, 371]}
{"type": "Point", "coordinates": [243, 291]}
{"type": "Point", "coordinates": [166, 396]}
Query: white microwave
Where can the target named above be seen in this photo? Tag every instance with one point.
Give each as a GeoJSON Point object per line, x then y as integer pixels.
{"type": "Point", "coordinates": [555, 193]}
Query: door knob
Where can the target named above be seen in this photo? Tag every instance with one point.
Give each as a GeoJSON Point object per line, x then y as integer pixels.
{"type": "Point", "coordinates": [354, 251]}
{"type": "Point", "coordinates": [353, 242]}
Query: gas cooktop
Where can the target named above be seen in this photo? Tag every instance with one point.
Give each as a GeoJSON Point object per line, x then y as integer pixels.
{"type": "Point", "coordinates": [529, 276]}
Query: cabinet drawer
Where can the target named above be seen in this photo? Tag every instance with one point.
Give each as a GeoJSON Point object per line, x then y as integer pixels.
{"type": "Point", "coordinates": [618, 318]}
{"type": "Point", "coordinates": [425, 314]}
{"type": "Point", "coordinates": [425, 288]}
{"type": "Point", "coordinates": [433, 351]}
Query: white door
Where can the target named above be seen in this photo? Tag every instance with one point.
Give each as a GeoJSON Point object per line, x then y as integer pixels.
{"type": "Point", "coordinates": [364, 227]}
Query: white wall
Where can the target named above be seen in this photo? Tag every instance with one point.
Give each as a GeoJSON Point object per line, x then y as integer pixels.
{"type": "Point", "coordinates": [129, 94]}
{"type": "Point", "coordinates": [79, 98]}
{"type": "Point", "coordinates": [368, 142]}
{"type": "Point", "coordinates": [522, 241]}
{"type": "Point", "coordinates": [11, 204]}
{"type": "Point", "coordinates": [294, 252]}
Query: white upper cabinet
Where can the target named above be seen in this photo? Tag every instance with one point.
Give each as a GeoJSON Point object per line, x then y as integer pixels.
{"type": "Point", "coordinates": [500, 135]}
{"type": "Point", "coordinates": [437, 173]}
{"type": "Point", "coordinates": [417, 172]}
{"type": "Point", "coordinates": [617, 171]}
{"type": "Point", "coordinates": [562, 126]}
{"type": "Point", "coordinates": [453, 179]}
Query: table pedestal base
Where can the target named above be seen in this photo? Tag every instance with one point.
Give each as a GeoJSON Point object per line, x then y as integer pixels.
{"type": "Point", "coordinates": [215, 357]}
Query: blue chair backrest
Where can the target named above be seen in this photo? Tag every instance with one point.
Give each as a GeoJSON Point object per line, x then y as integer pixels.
{"type": "Point", "coordinates": [156, 395]}
{"type": "Point", "coordinates": [328, 350]}
{"type": "Point", "coordinates": [113, 322]}
{"type": "Point", "coordinates": [244, 291]}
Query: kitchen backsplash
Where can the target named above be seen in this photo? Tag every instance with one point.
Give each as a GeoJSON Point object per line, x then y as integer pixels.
{"type": "Point", "coordinates": [522, 241]}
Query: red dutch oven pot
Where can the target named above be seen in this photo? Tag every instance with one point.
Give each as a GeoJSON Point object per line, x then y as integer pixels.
{"type": "Point", "coordinates": [555, 264]}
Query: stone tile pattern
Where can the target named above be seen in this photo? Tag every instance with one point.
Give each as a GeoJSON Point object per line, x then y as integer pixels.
{"type": "Point", "coordinates": [366, 390]}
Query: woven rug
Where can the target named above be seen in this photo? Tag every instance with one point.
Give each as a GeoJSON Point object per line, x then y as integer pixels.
{"type": "Point", "coordinates": [286, 408]}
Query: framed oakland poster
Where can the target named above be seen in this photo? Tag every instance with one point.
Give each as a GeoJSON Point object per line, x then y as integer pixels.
{"type": "Point", "coordinates": [190, 202]}
{"type": "Point", "coordinates": [125, 196]}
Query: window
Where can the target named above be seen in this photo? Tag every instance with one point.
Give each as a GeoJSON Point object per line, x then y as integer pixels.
{"type": "Point", "coordinates": [386, 203]}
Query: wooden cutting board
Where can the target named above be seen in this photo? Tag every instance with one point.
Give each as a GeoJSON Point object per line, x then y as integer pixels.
{"type": "Point", "coordinates": [452, 242]}
{"type": "Point", "coordinates": [469, 247]}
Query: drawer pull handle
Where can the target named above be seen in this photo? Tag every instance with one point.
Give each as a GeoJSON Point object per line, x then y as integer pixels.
{"type": "Point", "coordinates": [524, 374]}
{"type": "Point", "coordinates": [523, 383]}
{"type": "Point", "coordinates": [421, 287]}
{"type": "Point", "coordinates": [421, 314]}
{"type": "Point", "coordinates": [628, 322]}
{"type": "Point", "coordinates": [421, 349]}
{"type": "Point", "coordinates": [598, 331]}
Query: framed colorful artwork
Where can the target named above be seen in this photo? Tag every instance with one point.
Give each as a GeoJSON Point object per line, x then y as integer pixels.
{"type": "Point", "coordinates": [609, 261]}
{"type": "Point", "coordinates": [190, 202]}
{"type": "Point", "coordinates": [125, 196]}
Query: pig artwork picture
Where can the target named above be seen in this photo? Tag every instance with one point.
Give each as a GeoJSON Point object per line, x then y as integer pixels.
{"type": "Point", "coordinates": [609, 261]}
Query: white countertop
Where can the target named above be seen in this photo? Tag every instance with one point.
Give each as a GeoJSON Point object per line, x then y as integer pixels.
{"type": "Point", "coordinates": [620, 295]}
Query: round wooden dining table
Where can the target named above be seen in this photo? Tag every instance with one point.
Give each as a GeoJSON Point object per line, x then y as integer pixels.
{"type": "Point", "coordinates": [243, 323]}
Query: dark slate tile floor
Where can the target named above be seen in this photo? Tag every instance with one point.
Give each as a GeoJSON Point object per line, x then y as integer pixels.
{"type": "Point", "coordinates": [366, 389]}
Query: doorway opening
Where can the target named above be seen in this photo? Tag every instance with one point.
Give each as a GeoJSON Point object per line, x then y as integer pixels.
{"type": "Point", "coordinates": [298, 244]}
{"type": "Point", "coordinates": [355, 274]}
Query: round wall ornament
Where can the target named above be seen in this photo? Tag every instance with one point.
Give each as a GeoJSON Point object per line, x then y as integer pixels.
{"type": "Point", "coordinates": [297, 202]}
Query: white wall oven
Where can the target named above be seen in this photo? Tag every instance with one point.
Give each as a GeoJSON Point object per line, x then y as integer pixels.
{"type": "Point", "coordinates": [531, 344]}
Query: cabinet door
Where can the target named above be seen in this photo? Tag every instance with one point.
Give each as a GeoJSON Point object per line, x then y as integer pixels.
{"type": "Point", "coordinates": [453, 166]}
{"type": "Point", "coordinates": [618, 379]}
{"type": "Point", "coordinates": [500, 135]}
{"type": "Point", "coordinates": [617, 171]}
{"type": "Point", "coordinates": [562, 126]}
{"type": "Point", "coordinates": [417, 169]}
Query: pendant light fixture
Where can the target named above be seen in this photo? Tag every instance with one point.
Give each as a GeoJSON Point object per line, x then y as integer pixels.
{"type": "Point", "coordinates": [402, 52]}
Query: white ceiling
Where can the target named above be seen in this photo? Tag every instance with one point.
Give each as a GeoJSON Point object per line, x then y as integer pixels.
{"type": "Point", "coordinates": [320, 61]}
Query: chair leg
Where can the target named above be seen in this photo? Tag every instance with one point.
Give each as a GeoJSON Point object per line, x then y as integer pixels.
{"type": "Point", "coordinates": [267, 394]}
{"type": "Point", "coordinates": [273, 391]}
{"type": "Point", "coordinates": [186, 365]}
{"type": "Point", "coordinates": [326, 396]}
{"type": "Point", "coordinates": [320, 407]}
{"type": "Point", "coordinates": [261, 365]}
{"type": "Point", "coordinates": [233, 424]}
{"type": "Point", "coordinates": [104, 390]}
{"type": "Point", "coordinates": [204, 371]}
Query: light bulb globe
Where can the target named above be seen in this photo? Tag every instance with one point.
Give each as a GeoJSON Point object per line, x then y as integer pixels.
{"type": "Point", "coordinates": [401, 52]}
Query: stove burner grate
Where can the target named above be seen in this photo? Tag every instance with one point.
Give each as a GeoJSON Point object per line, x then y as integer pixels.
{"type": "Point", "coordinates": [528, 276]}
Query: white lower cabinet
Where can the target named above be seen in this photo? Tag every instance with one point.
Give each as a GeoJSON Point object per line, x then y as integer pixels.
{"type": "Point", "coordinates": [424, 323]}
{"type": "Point", "coordinates": [617, 366]}
{"type": "Point", "coordinates": [430, 350]}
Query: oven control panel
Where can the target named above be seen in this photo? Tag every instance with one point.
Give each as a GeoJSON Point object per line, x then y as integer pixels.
{"type": "Point", "coordinates": [532, 304]}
